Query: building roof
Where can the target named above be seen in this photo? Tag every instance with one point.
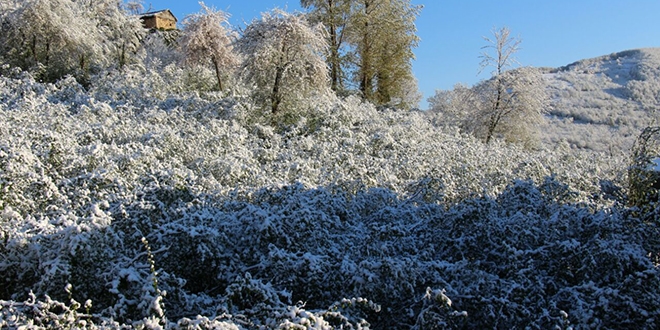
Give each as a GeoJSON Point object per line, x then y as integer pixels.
{"type": "Point", "coordinates": [154, 13]}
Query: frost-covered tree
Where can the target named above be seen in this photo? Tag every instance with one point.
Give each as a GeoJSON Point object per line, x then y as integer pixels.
{"type": "Point", "coordinates": [207, 38]}
{"type": "Point", "coordinates": [513, 100]}
{"type": "Point", "coordinates": [383, 34]}
{"type": "Point", "coordinates": [51, 37]}
{"type": "Point", "coordinates": [452, 108]}
{"type": "Point", "coordinates": [283, 59]}
{"type": "Point", "coordinates": [135, 7]}
{"type": "Point", "coordinates": [334, 14]}
{"type": "Point", "coordinates": [510, 106]}
{"type": "Point", "coordinates": [161, 49]}
{"type": "Point", "coordinates": [54, 38]}
{"type": "Point", "coordinates": [121, 31]}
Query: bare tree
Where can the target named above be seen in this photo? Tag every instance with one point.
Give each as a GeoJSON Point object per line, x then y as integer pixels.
{"type": "Point", "coordinates": [512, 98]}
{"type": "Point", "coordinates": [504, 47]}
{"type": "Point", "coordinates": [283, 58]}
{"type": "Point", "coordinates": [208, 39]}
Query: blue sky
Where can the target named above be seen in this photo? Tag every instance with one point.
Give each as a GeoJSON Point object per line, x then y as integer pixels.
{"type": "Point", "coordinates": [553, 32]}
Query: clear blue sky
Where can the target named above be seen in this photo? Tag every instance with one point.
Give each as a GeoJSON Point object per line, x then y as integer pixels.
{"type": "Point", "coordinates": [553, 32]}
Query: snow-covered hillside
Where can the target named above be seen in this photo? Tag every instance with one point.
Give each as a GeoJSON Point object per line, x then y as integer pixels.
{"type": "Point", "coordinates": [603, 103]}
{"type": "Point", "coordinates": [134, 203]}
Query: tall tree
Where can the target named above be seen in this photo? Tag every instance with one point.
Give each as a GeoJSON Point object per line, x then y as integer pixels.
{"type": "Point", "coordinates": [505, 101]}
{"type": "Point", "coordinates": [511, 104]}
{"type": "Point", "coordinates": [207, 38]}
{"type": "Point", "coordinates": [394, 78]}
{"type": "Point", "coordinates": [334, 15]}
{"type": "Point", "coordinates": [283, 58]}
{"type": "Point", "coordinates": [383, 34]}
{"type": "Point", "coordinates": [514, 98]}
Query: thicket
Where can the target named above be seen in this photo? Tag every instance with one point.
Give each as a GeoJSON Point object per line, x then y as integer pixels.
{"type": "Point", "coordinates": [146, 199]}
{"type": "Point", "coordinates": [127, 209]}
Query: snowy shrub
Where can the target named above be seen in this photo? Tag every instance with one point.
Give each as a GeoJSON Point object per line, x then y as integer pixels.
{"type": "Point", "coordinates": [46, 314]}
{"type": "Point", "coordinates": [437, 312]}
{"type": "Point", "coordinates": [643, 175]}
{"type": "Point", "coordinates": [171, 210]}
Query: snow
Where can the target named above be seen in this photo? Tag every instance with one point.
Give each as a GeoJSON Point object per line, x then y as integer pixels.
{"type": "Point", "coordinates": [401, 205]}
{"type": "Point", "coordinates": [344, 216]}
{"type": "Point", "coordinates": [596, 102]}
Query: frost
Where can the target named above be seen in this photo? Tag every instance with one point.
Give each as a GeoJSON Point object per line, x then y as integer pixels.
{"type": "Point", "coordinates": [347, 216]}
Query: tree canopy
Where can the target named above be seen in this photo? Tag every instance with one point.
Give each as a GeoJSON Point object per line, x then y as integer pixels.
{"type": "Point", "coordinates": [65, 37]}
{"type": "Point", "coordinates": [371, 42]}
{"type": "Point", "coordinates": [334, 15]}
{"type": "Point", "coordinates": [283, 59]}
{"type": "Point", "coordinates": [208, 39]}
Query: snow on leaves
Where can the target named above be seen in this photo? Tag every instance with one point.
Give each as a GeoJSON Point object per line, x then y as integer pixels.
{"type": "Point", "coordinates": [283, 59]}
{"type": "Point", "coordinates": [253, 226]}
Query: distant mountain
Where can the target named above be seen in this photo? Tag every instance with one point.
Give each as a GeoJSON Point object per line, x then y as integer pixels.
{"type": "Point", "coordinates": [603, 103]}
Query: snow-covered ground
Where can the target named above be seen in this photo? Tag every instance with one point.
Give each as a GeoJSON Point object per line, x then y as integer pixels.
{"type": "Point", "coordinates": [603, 103]}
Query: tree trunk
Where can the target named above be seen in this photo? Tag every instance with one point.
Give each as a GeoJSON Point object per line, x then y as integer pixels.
{"type": "Point", "coordinates": [492, 125]}
{"type": "Point", "coordinates": [334, 58]}
{"type": "Point", "coordinates": [275, 96]}
{"type": "Point", "coordinates": [33, 49]}
{"type": "Point", "coordinates": [217, 72]}
{"type": "Point", "coordinates": [496, 116]}
{"type": "Point", "coordinates": [122, 55]}
{"type": "Point", "coordinates": [47, 60]}
{"type": "Point", "coordinates": [366, 81]}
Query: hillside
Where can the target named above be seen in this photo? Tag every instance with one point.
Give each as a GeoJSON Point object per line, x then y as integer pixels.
{"type": "Point", "coordinates": [603, 103]}
{"type": "Point", "coordinates": [134, 203]}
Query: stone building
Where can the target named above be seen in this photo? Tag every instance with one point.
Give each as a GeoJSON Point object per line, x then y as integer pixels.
{"type": "Point", "coordinates": [160, 20]}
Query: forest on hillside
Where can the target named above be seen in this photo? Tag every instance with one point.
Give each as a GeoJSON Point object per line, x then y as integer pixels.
{"type": "Point", "coordinates": [140, 190]}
